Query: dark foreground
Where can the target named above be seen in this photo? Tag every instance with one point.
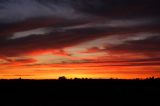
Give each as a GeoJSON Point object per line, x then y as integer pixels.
{"type": "Point", "coordinates": [79, 92]}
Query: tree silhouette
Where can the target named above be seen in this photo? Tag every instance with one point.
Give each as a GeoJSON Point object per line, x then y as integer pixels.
{"type": "Point", "coordinates": [62, 78]}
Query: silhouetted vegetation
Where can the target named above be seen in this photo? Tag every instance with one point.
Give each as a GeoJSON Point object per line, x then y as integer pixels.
{"type": "Point", "coordinates": [81, 91]}
{"type": "Point", "coordinates": [62, 78]}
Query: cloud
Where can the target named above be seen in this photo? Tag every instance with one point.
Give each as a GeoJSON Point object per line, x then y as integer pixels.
{"type": "Point", "coordinates": [147, 46]}
{"type": "Point", "coordinates": [58, 24]}
{"type": "Point", "coordinates": [122, 9]}
{"type": "Point", "coordinates": [142, 51]}
{"type": "Point", "coordinates": [18, 10]}
{"type": "Point", "coordinates": [59, 38]}
{"type": "Point", "coordinates": [93, 50]}
{"type": "Point", "coordinates": [60, 52]}
{"type": "Point", "coordinates": [18, 61]}
{"type": "Point", "coordinates": [22, 60]}
{"type": "Point", "coordinates": [39, 31]}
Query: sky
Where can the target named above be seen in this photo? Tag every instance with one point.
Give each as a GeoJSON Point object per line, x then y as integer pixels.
{"type": "Point", "coordinates": [45, 39]}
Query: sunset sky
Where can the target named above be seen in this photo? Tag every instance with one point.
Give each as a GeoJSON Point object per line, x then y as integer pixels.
{"type": "Point", "coordinates": [45, 39]}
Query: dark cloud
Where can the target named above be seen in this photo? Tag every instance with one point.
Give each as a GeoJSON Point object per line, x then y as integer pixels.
{"type": "Point", "coordinates": [18, 61]}
{"type": "Point", "coordinates": [20, 10]}
{"type": "Point", "coordinates": [57, 40]}
{"type": "Point", "coordinates": [17, 10]}
{"type": "Point", "coordinates": [71, 22]}
{"type": "Point", "coordinates": [134, 52]}
{"type": "Point", "coordinates": [25, 60]}
{"type": "Point", "coordinates": [61, 52]}
{"type": "Point", "coordinates": [124, 8]}
{"type": "Point", "coordinates": [137, 64]}
{"type": "Point", "coordinates": [148, 61]}
{"type": "Point", "coordinates": [61, 39]}
{"type": "Point", "coordinates": [147, 46]}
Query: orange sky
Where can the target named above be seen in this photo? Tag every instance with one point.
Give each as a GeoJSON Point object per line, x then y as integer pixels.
{"type": "Point", "coordinates": [86, 60]}
{"type": "Point", "coordinates": [81, 64]}
{"type": "Point", "coordinates": [77, 70]}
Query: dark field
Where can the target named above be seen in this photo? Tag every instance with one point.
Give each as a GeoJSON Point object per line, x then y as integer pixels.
{"type": "Point", "coordinates": [79, 92]}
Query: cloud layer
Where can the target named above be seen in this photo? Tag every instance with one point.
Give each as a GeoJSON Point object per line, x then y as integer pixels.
{"type": "Point", "coordinates": [80, 31]}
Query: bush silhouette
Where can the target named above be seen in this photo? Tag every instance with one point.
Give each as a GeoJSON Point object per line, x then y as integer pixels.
{"type": "Point", "coordinates": [62, 78]}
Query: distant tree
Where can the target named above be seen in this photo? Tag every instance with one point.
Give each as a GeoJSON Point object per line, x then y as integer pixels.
{"type": "Point", "coordinates": [62, 78]}
{"type": "Point", "coordinates": [76, 78]}
{"type": "Point", "coordinates": [152, 78]}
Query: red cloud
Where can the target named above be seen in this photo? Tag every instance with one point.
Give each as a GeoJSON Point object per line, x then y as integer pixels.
{"type": "Point", "coordinates": [15, 62]}
{"type": "Point", "coordinates": [93, 50]}
{"type": "Point", "coordinates": [61, 52]}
